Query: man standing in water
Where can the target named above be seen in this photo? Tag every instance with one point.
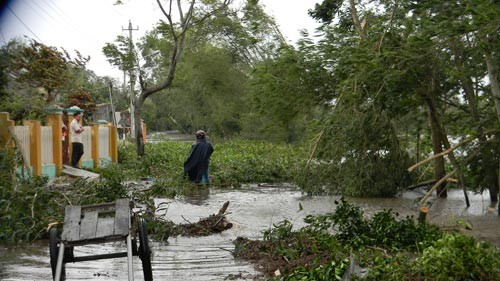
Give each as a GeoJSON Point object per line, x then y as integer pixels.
{"type": "Point", "coordinates": [196, 166]}
{"type": "Point", "coordinates": [76, 131]}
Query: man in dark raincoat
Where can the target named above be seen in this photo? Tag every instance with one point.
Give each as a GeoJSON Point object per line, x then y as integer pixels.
{"type": "Point", "coordinates": [196, 166]}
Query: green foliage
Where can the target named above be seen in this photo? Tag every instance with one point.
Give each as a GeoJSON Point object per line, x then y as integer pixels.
{"type": "Point", "coordinates": [208, 93]}
{"type": "Point", "coordinates": [326, 11]}
{"type": "Point", "coordinates": [329, 271]}
{"type": "Point", "coordinates": [317, 178]}
{"type": "Point", "coordinates": [283, 97]}
{"type": "Point", "coordinates": [232, 164]}
{"type": "Point", "coordinates": [383, 230]}
{"type": "Point", "coordinates": [26, 211]}
{"type": "Point", "coordinates": [395, 267]}
{"type": "Point", "coordinates": [322, 254]}
{"type": "Point", "coordinates": [243, 161]}
{"type": "Point", "coordinates": [389, 248]}
{"type": "Point", "coordinates": [280, 231]}
{"type": "Point", "coordinates": [35, 76]}
{"type": "Point", "coordinates": [486, 160]}
{"type": "Point", "coordinates": [110, 186]}
{"type": "Point", "coordinates": [161, 230]}
{"type": "Point", "coordinates": [27, 206]}
{"type": "Point", "coordinates": [168, 187]}
{"type": "Point", "coordinates": [23, 104]}
{"type": "Point", "coordinates": [459, 257]}
{"type": "Point", "coordinates": [38, 65]}
{"type": "Point", "coordinates": [312, 244]}
{"type": "Point", "coordinates": [121, 54]}
{"type": "Point", "coordinates": [357, 156]}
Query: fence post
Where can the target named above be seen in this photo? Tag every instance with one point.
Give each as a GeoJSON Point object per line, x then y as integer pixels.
{"type": "Point", "coordinates": [69, 137]}
{"type": "Point", "coordinates": [113, 143]}
{"type": "Point", "coordinates": [54, 119]}
{"type": "Point", "coordinates": [95, 145]}
{"type": "Point", "coordinates": [35, 145]}
{"type": "Point", "coordinates": [5, 124]}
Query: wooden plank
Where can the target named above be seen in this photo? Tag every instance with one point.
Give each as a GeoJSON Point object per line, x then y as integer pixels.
{"type": "Point", "coordinates": [88, 227]}
{"type": "Point", "coordinates": [105, 227]}
{"type": "Point", "coordinates": [108, 205]}
{"type": "Point", "coordinates": [122, 217]}
{"type": "Point", "coordinates": [71, 230]}
{"type": "Point", "coordinates": [74, 172]}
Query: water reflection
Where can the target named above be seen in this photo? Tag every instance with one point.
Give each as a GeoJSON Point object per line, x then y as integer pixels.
{"type": "Point", "coordinates": [252, 209]}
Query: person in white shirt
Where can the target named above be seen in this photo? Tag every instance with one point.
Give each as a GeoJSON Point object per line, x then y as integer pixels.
{"type": "Point", "coordinates": [76, 131]}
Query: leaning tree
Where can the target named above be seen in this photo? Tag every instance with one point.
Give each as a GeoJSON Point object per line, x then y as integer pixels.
{"type": "Point", "coordinates": [180, 18]}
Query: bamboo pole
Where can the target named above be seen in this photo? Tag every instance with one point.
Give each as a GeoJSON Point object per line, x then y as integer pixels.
{"type": "Point", "coordinates": [438, 183]}
{"type": "Point", "coordinates": [447, 151]}
{"type": "Point", "coordinates": [429, 182]}
{"type": "Point", "coordinates": [313, 150]}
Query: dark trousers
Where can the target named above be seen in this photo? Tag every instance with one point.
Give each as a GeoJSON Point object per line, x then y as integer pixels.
{"type": "Point", "coordinates": [77, 153]}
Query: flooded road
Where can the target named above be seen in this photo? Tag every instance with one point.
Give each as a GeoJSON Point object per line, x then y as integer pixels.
{"type": "Point", "coordinates": [252, 209]}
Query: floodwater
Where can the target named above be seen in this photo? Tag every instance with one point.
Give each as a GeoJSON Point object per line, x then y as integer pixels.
{"type": "Point", "coordinates": [252, 209]}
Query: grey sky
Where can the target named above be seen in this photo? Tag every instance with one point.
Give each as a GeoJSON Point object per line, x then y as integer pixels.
{"type": "Point", "coordinates": [86, 25]}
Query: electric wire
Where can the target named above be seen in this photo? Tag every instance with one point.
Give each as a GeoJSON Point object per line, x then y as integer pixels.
{"type": "Point", "coordinates": [54, 7]}
{"type": "Point", "coordinates": [68, 24]}
{"type": "Point", "coordinates": [42, 9]}
{"type": "Point", "coordinates": [24, 24]}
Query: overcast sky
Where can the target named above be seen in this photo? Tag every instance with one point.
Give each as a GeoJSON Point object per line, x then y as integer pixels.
{"type": "Point", "coordinates": [86, 25]}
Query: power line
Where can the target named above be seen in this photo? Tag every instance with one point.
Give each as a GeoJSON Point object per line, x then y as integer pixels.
{"type": "Point", "coordinates": [53, 6]}
{"type": "Point", "coordinates": [22, 22]}
{"type": "Point", "coordinates": [68, 23]}
{"type": "Point", "coordinates": [40, 8]}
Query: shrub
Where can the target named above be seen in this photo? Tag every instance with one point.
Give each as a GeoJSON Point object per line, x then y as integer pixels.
{"type": "Point", "coordinates": [25, 211]}
{"type": "Point", "coordinates": [459, 257]}
{"type": "Point", "coordinates": [383, 230]}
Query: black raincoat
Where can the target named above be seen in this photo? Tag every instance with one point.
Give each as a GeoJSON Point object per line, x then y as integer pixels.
{"type": "Point", "coordinates": [197, 163]}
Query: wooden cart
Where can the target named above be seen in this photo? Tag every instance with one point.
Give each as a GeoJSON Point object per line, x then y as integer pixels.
{"type": "Point", "coordinates": [100, 223]}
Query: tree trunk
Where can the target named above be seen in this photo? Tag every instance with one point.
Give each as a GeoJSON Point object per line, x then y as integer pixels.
{"type": "Point", "coordinates": [422, 215]}
{"type": "Point", "coordinates": [495, 87]}
{"type": "Point", "coordinates": [139, 141]}
{"type": "Point", "coordinates": [355, 18]}
{"type": "Point", "coordinates": [495, 92]}
{"type": "Point", "coordinates": [436, 136]}
{"type": "Point", "coordinates": [490, 171]}
{"type": "Point", "coordinates": [455, 164]}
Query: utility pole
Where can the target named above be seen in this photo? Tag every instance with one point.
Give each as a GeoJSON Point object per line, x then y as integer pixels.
{"type": "Point", "coordinates": [132, 82]}
{"type": "Point", "coordinates": [112, 105]}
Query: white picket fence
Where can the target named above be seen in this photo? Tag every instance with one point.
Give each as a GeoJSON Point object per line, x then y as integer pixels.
{"type": "Point", "coordinates": [103, 142]}
{"type": "Point", "coordinates": [22, 134]}
{"type": "Point", "coordinates": [87, 143]}
{"type": "Point", "coordinates": [47, 145]}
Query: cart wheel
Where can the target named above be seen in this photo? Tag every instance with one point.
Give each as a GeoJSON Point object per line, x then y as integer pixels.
{"type": "Point", "coordinates": [54, 253]}
{"type": "Point", "coordinates": [144, 250]}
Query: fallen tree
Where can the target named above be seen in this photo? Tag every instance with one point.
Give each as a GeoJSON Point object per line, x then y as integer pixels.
{"type": "Point", "coordinates": [215, 223]}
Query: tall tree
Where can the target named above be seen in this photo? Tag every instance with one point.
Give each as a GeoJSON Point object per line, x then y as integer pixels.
{"type": "Point", "coordinates": [417, 54]}
{"type": "Point", "coordinates": [44, 66]}
{"type": "Point", "coordinates": [180, 19]}
{"type": "Point", "coordinates": [36, 75]}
